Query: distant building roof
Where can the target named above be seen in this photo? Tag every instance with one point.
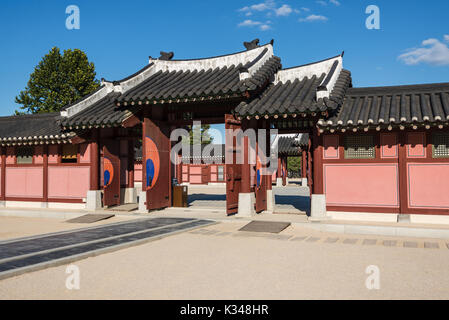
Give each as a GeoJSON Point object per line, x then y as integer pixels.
{"type": "Point", "coordinates": [417, 105]}
{"type": "Point", "coordinates": [32, 129]}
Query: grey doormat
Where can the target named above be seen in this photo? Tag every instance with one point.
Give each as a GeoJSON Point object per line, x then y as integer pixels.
{"type": "Point", "coordinates": [265, 226]}
{"type": "Point", "coordinates": [90, 218]}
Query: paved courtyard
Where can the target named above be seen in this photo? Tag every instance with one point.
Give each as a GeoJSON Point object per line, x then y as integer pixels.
{"type": "Point", "coordinates": [220, 262]}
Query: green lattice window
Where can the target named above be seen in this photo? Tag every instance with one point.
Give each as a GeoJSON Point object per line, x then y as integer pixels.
{"type": "Point", "coordinates": [25, 155]}
{"type": "Point", "coordinates": [440, 145]}
{"type": "Point", "coordinates": [360, 147]}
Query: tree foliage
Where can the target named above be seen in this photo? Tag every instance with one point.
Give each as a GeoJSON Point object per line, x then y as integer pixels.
{"type": "Point", "coordinates": [58, 80]}
{"type": "Point", "coordinates": [200, 131]}
{"type": "Point", "coordinates": [294, 165]}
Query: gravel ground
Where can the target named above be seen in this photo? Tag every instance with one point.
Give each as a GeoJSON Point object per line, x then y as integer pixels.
{"type": "Point", "coordinates": [218, 262]}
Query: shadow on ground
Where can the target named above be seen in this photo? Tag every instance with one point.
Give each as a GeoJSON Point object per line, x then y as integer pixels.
{"type": "Point", "coordinates": [297, 202]}
{"type": "Point", "coordinates": [201, 199]}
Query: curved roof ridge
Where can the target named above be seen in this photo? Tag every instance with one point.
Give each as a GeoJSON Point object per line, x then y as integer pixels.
{"type": "Point", "coordinates": [219, 56]}
{"type": "Point", "coordinates": [309, 70]}
{"type": "Point", "coordinates": [243, 58]}
{"type": "Point", "coordinates": [312, 63]}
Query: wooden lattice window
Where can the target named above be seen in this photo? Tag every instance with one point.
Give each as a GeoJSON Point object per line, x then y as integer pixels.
{"type": "Point", "coordinates": [440, 145]}
{"type": "Point", "coordinates": [25, 155]}
{"type": "Point", "coordinates": [360, 147]}
{"type": "Point", "coordinates": [69, 153]}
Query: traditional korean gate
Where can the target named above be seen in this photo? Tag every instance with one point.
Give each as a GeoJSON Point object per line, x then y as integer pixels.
{"type": "Point", "coordinates": [111, 173]}
{"type": "Point", "coordinates": [233, 170]}
{"type": "Point", "coordinates": [156, 165]}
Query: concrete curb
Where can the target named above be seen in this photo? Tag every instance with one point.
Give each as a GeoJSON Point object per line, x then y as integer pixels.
{"type": "Point", "coordinates": [42, 213]}
{"type": "Point", "coordinates": [391, 231]}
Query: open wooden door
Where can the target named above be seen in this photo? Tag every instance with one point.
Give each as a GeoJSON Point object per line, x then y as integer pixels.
{"type": "Point", "coordinates": [260, 188]}
{"type": "Point", "coordinates": [156, 165]}
{"type": "Point", "coordinates": [233, 170]}
{"type": "Point", "coordinates": [205, 172]}
{"type": "Point", "coordinates": [111, 173]}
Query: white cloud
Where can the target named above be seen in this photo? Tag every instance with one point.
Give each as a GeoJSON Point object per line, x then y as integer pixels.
{"type": "Point", "coordinates": [432, 51]}
{"type": "Point", "coordinates": [252, 23]}
{"type": "Point", "coordinates": [325, 3]}
{"type": "Point", "coordinates": [284, 10]}
{"type": "Point", "coordinates": [305, 9]}
{"type": "Point", "coordinates": [249, 23]}
{"type": "Point", "coordinates": [263, 6]}
{"type": "Point", "coordinates": [314, 18]}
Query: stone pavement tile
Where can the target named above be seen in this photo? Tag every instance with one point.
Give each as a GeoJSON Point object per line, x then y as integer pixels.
{"type": "Point", "coordinates": [298, 239]}
{"type": "Point", "coordinates": [369, 242]}
{"type": "Point", "coordinates": [390, 243]}
{"type": "Point", "coordinates": [331, 240]}
{"type": "Point", "coordinates": [350, 241]}
{"type": "Point", "coordinates": [312, 239]}
{"type": "Point", "coordinates": [284, 237]}
{"type": "Point", "coordinates": [209, 232]}
{"type": "Point", "coordinates": [410, 244]}
{"type": "Point", "coordinates": [431, 245]}
{"type": "Point", "coordinates": [199, 231]}
{"type": "Point", "coordinates": [221, 234]}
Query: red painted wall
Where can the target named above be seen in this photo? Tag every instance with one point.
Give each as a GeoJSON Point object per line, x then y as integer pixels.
{"type": "Point", "coordinates": [402, 178]}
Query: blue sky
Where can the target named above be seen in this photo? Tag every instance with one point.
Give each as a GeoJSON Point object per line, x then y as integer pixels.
{"type": "Point", "coordinates": [118, 36]}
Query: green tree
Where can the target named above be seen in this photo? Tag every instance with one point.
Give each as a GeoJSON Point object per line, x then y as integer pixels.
{"type": "Point", "coordinates": [58, 80]}
{"type": "Point", "coordinates": [294, 165]}
{"type": "Point", "coordinates": [206, 138]}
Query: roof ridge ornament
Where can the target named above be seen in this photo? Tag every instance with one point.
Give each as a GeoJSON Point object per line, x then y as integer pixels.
{"type": "Point", "coordinates": [166, 56]}
{"type": "Point", "coordinates": [252, 45]}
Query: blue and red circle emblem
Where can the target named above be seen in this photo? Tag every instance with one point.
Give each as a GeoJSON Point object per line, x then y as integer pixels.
{"type": "Point", "coordinates": [108, 172]}
{"type": "Point", "coordinates": [258, 173]}
{"type": "Point", "coordinates": [152, 163]}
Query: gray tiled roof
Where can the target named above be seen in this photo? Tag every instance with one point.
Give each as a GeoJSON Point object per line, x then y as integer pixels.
{"type": "Point", "coordinates": [102, 112]}
{"type": "Point", "coordinates": [298, 95]}
{"type": "Point", "coordinates": [173, 81]}
{"type": "Point", "coordinates": [197, 83]}
{"type": "Point", "coordinates": [31, 128]}
{"type": "Point", "coordinates": [210, 155]}
{"type": "Point", "coordinates": [291, 146]}
{"type": "Point", "coordinates": [412, 105]}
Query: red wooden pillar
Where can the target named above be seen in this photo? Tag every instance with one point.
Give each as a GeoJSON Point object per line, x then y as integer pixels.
{"type": "Point", "coordinates": [402, 159]}
{"type": "Point", "coordinates": [309, 165]}
{"type": "Point", "coordinates": [284, 170]}
{"type": "Point", "coordinates": [279, 173]}
{"type": "Point", "coordinates": [268, 155]}
{"type": "Point", "coordinates": [3, 174]}
{"type": "Point", "coordinates": [318, 187]}
{"type": "Point", "coordinates": [131, 163]}
{"type": "Point", "coordinates": [246, 168]}
{"type": "Point", "coordinates": [45, 164]}
{"type": "Point", "coordinates": [304, 164]}
{"type": "Point", "coordinates": [95, 162]}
